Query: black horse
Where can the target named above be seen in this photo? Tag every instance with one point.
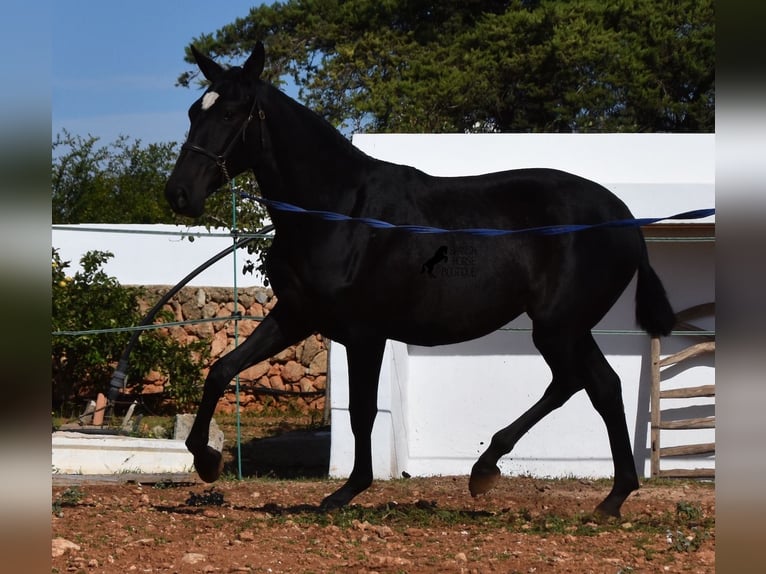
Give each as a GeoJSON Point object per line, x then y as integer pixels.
{"type": "Point", "coordinates": [360, 285]}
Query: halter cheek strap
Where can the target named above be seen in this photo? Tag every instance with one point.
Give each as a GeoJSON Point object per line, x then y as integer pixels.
{"type": "Point", "coordinates": [220, 159]}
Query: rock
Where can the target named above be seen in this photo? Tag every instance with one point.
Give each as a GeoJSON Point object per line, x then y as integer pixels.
{"type": "Point", "coordinates": [318, 364]}
{"type": "Point", "coordinates": [209, 310]}
{"type": "Point", "coordinates": [179, 333]}
{"type": "Point", "coordinates": [229, 312]}
{"type": "Point", "coordinates": [256, 371]}
{"type": "Point", "coordinates": [276, 383]}
{"type": "Point", "coordinates": [200, 297]}
{"type": "Point", "coordinates": [255, 310]}
{"type": "Point", "coordinates": [386, 560]}
{"type": "Point", "coordinates": [293, 371]}
{"type": "Point", "coordinates": [152, 376]}
{"type": "Point", "coordinates": [86, 418]}
{"type": "Point", "coordinates": [60, 546]}
{"type": "Point", "coordinates": [184, 423]}
{"type": "Point", "coordinates": [191, 310]}
{"type": "Point", "coordinates": [245, 298]}
{"type": "Point", "coordinates": [178, 312]}
{"type": "Point", "coordinates": [245, 399]}
{"type": "Point", "coordinates": [127, 426]}
{"type": "Point", "coordinates": [193, 558]}
{"type": "Point", "coordinates": [311, 347]}
{"type": "Point", "coordinates": [202, 330]}
{"type": "Point", "coordinates": [307, 385]}
{"type": "Point", "coordinates": [219, 343]}
{"type": "Point", "coordinates": [246, 328]}
{"type": "Point", "coordinates": [286, 355]}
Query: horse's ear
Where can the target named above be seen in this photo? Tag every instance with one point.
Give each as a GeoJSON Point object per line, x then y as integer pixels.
{"type": "Point", "coordinates": [209, 67]}
{"type": "Point", "coordinates": [254, 65]}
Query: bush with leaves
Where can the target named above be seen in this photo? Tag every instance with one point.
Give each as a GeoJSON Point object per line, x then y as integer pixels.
{"type": "Point", "coordinates": [82, 365]}
{"type": "Point", "coordinates": [124, 182]}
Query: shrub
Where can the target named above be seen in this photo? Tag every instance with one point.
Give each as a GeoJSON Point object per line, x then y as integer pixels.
{"type": "Point", "coordinates": [82, 365]}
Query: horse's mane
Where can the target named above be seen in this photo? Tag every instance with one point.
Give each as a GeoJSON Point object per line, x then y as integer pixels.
{"type": "Point", "coordinates": [309, 121]}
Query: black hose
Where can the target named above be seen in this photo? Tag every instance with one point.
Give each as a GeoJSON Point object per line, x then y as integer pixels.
{"type": "Point", "coordinates": [117, 383]}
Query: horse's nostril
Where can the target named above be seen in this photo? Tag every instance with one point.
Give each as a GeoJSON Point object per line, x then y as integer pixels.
{"type": "Point", "coordinates": [180, 199]}
{"type": "Point", "coordinates": [182, 202]}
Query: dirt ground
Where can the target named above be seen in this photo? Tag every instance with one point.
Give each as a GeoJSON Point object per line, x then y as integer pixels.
{"type": "Point", "coordinates": [525, 525]}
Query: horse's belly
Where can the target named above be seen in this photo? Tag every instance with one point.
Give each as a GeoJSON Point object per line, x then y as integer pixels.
{"type": "Point", "coordinates": [436, 321]}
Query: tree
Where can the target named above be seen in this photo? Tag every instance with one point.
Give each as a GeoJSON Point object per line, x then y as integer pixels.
{"type": "Point", "coordinates": [124, 182]}
{"type": "Point", "coordinates": [81, 366]}
{"type": "Point", "coordinates": [119, 183]}
{"type": "Point", "coordinates": [486, 65]}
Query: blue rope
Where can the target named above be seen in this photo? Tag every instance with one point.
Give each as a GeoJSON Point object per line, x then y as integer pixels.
{"type": "Point", "coordinates": [482, 232]}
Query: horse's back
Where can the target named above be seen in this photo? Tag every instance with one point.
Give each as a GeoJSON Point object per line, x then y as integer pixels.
{"type": "Point", "coordinates": [438, 288]}
{"type": "Point", "coordinates": [540, 196]}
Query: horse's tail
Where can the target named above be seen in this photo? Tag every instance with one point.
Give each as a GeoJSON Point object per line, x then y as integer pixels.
{"type": "Point", "coordinates": [653, 311]}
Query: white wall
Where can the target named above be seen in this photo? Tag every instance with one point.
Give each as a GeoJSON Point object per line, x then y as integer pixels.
{"type": "Point", "coordinates": [152, 258]}
{"type": "Point", "coordinates": [439, 407]}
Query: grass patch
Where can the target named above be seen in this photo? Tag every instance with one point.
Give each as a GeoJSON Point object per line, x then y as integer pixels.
{"type": "Point", "coordinates": [69, 498]}
{"type": "Point", "coordinates": [685, 530]}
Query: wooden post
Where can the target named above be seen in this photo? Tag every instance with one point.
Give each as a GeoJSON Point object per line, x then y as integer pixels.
{"type": "Point", "coordinates": [98, 415]}
{"type": "Point", "coordinates": [707, 346]}
{"type": "Point", "coordinates": [655, 406]}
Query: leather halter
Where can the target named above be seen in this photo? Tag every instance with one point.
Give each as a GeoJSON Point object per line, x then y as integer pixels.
{"type": "Point", "coordinates": [220, 159]}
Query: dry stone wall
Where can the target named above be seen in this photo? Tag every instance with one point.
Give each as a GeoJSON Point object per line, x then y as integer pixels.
{"type": "Point", "coordinates": [295, 378]}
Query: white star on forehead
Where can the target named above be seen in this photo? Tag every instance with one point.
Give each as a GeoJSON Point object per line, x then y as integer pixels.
{"type": "Point", "coordinates": [209, 99]}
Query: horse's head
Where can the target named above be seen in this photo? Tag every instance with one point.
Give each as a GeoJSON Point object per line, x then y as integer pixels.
{"type": "Point", "coordinates": [224, 122]}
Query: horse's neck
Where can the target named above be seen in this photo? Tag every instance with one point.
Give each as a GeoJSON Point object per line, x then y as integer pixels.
{"type": "Point", "coordinates": [311, 164]}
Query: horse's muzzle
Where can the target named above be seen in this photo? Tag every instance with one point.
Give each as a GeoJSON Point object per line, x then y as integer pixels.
{"type": "Point", "coordinates": [180, 201]}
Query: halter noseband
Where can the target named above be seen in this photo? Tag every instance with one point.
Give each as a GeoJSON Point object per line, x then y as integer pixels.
{"type": "Point", "coordinates": [220, 159]}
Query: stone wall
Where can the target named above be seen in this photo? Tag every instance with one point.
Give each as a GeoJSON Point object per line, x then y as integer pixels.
{"type": "Point", "coordinates": [295, 378]}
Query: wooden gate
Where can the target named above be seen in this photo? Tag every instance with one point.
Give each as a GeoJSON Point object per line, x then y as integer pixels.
{"type": "Point", "coordinates": [657, 395]}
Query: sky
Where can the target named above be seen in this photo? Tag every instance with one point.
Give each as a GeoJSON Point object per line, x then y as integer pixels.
{"type": "Point", "coordinates": [115, 64]}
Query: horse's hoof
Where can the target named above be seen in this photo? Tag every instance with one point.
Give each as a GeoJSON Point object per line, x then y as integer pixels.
{"type": "Point", "coordinates": [345, 494]}
{"type": "Point", "coordinates": [209, 464]}
{"type": "Point", "coordinates": [483, 479]}
{"type": "Point", "coordinates": [331, 503]}
{"type": "Point", "coordinates": [605, 511]}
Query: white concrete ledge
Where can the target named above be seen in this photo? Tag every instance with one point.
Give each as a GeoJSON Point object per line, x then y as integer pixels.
{"type": "Point", "coordinates": [79, 453]}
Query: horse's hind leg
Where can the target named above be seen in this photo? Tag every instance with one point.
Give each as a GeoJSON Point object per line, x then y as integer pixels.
{"type": "Point", "coordinates": [558, 355]}
{"type": "Point", "coordinates": [576, 363]}
{"type": "Point", "coordinates": [271, 337]}
{"type": "Point", "coordinates": [604, 390]}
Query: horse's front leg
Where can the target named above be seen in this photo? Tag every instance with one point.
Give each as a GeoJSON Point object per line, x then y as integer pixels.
{"type": "Point", "coordinates": [364, 359]}
{"type": "Point", "coordinates": [272, 336]}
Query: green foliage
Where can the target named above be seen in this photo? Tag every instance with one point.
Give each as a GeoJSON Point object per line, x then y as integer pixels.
{"type": "Point", "coordinates": [88, 300]}
{"type": "Point", "coordinates": [227, 209]}
{"type": "Point", "coordinates": [487, 65]}
{"type": "Point", "coordinates": [69, 498]}
{"type": "Point", "coordinates": [119, 183]}
{"type": "Point", "coordinates": [82, 365]}
{"type": "Point", "coordinates": [124, 182]}
{"type": "Point", "coordinates": [688, 512]}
